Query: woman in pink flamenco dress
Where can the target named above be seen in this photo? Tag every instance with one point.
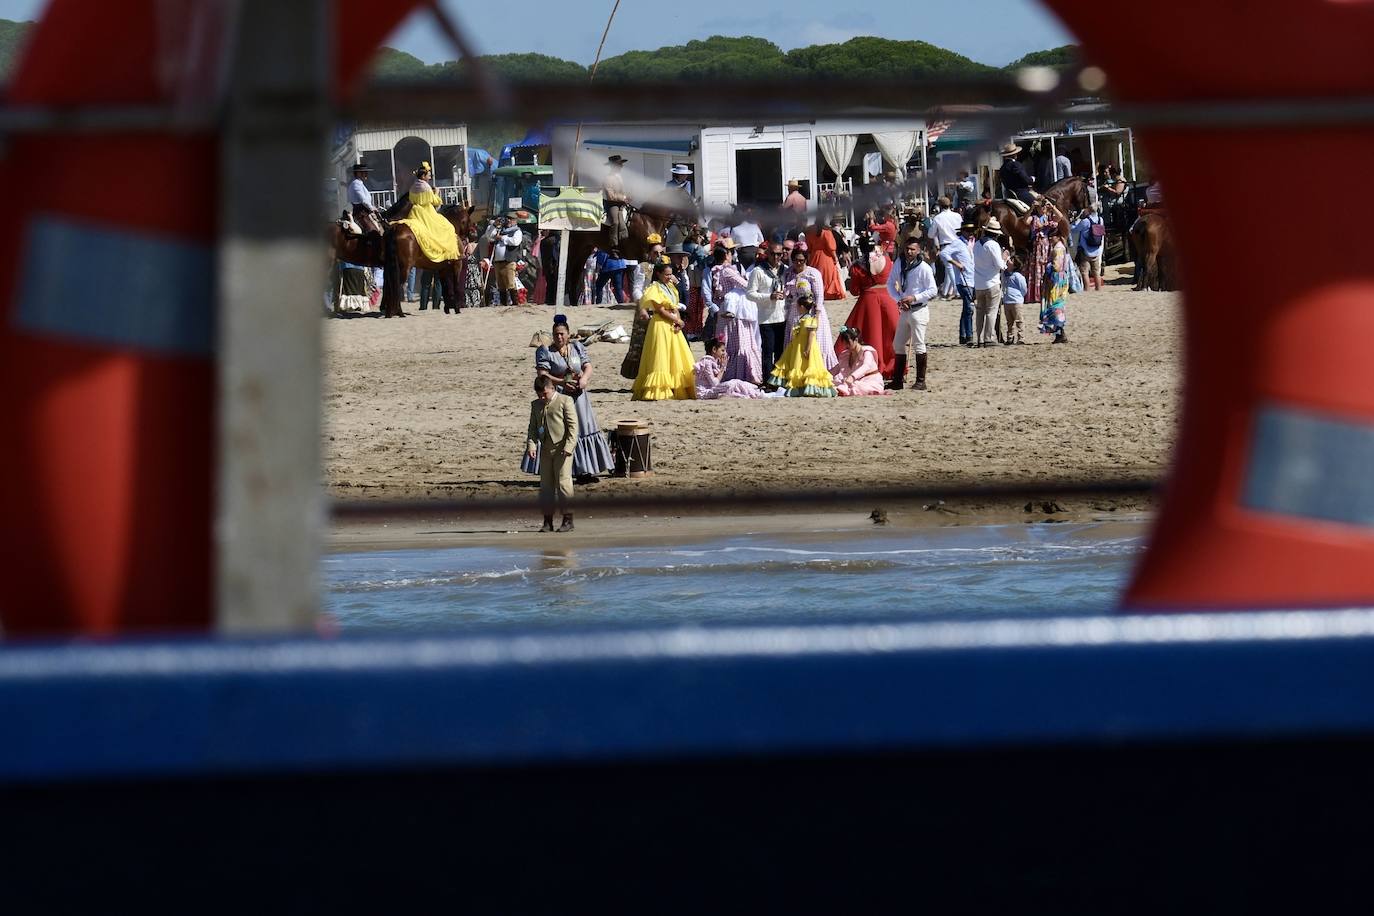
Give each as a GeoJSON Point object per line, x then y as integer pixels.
{"type": "Point", "coordinates": [858, 374]}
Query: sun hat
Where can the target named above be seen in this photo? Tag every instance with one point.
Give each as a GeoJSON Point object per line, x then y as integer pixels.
{"type": "Point", "coordinates": [794, 183]}
{"type": "Point", "coordinates": [725, 242]}
{"type": "Point", "coordinates": [681, 169]}
{"type": "Point", "coordinates": [993, 226]}
{"type": "Point", "coordinates": [1011, 149]}
{"type": "Point", "coordinates": [617, 160]}
{"type": "Point", "coordinates": [361, 167]}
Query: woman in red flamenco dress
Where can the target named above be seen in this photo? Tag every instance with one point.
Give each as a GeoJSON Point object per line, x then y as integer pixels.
{"type": "Point", "coordinates": [875, 314]}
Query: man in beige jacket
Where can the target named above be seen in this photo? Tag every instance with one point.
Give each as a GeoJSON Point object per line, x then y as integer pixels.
{"type": "Point", "coordinates": [552, 437]}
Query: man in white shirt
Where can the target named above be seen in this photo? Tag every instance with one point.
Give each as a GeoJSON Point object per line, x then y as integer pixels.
{"type": "Point", "coordinates": [505, 238]}
{"type": "Point", "coordinates": [766, 291]}
{"type": "Point", "coordinates": [360, 199]}
{"type": "Point", "coordinates": [912, 284]}
{"type": "Point", "coordinates": [748, 237]}
{"type": "Point", "coordinates": [988, 265]}
{"type": "Point", "coordinates": [944, 228]}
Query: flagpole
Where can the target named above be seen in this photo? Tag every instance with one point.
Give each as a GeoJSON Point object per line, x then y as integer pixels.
{"type": "Point", "coordinates": [577, 138]}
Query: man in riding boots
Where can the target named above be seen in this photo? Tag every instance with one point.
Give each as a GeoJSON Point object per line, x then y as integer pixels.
{"type": "Point", "coordinates": [360, 198]}
{"type": "Point", "coordinates": [505, 238]}
{"type": "Point", "coordinates": [1015, 180]}
{"type": "Point", "coordinates": [613, 190]}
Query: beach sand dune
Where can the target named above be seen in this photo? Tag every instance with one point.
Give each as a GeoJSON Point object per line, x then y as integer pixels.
{"type": "Point", "coordinates": [434, 406]}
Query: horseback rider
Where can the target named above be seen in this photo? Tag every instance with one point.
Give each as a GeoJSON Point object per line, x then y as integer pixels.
{"type": "Point", "coordinates": [613, 190]}
{"type": "Point", "coordinates": [364, 214]}
{"type": "Point", "coordinates": [1015, 180]}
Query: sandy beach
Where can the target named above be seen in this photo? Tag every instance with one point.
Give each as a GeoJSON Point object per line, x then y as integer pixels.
{"type": "Point", "coordinates": [434, 406]}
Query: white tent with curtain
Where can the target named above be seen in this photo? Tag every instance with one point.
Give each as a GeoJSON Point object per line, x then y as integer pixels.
{"type": "Point", "coordinates": [897, 147]}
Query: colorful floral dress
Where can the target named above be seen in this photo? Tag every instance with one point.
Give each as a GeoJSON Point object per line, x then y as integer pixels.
{"type": "Point", "coordinates": [1056, 283]}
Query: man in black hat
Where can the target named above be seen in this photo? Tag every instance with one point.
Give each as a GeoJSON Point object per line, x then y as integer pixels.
{"type": "Point", "coordinates": [360, 198]}
{"type": "Point", "coordinates": [613, 190]}
{"type": "Point", "coordinates": [1016, 182]}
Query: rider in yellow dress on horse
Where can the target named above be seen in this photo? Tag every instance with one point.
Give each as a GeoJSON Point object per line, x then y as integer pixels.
{"type": "Point", "coordinates": [436, 236]}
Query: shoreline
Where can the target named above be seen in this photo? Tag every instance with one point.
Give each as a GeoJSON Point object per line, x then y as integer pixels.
{"type": "Point", "coordinates": [606, 527]}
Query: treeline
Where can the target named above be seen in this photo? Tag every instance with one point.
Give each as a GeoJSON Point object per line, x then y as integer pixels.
{"type": "Point", "coordinates": [737, 58]}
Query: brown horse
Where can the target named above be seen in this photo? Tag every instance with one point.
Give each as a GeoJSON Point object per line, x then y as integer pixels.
{"type": "Point", "coordinates": [396, 253]}
{"type": "Point", "coordinates": [642, 222]}
{"type": "Point", "coordinates": [1153, 240]}
{"type": "Point", "coordinates": [1016, 226]}
{"type": "Point", "coordinates": [1070, 195]}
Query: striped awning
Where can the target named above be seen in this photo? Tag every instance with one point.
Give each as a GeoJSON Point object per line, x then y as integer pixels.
{"type": "Point", "coordinates": [577, 209]}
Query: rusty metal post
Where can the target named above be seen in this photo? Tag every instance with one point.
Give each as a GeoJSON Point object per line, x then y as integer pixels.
{"type": "Point", "coordinates": [269, 509]}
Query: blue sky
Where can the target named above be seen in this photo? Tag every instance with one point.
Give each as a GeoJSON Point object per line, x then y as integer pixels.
{"type": "Point", "coordinates": [992, 31]}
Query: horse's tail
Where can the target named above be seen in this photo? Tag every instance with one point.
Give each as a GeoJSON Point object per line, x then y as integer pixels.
{"type": "Point", "coordinates": [391, 276]}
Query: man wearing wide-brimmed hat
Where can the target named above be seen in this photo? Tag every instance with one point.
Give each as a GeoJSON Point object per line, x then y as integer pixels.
{"type": "Point", "coordinates": [613, 191]}
{"type": "Point", "coordinates": [360, 198]}
{"type": "Point", "coordinates": [1016, 182]}
{"type": "Point", "coordinates": [681, 179]}
{"type": "Point", "coordinates": [988, 265]}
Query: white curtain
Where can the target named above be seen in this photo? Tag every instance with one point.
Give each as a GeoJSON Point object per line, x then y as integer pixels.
{"type": "Point", "coordinates": [838, 149]}
{"type": "Point", "coordinates": [897, 147]}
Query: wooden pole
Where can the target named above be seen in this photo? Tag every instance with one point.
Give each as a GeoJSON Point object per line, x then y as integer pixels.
{"type": "Point", "coordinates": [596, 61]}
{"type": "Point", "coordinates": [563, 236]}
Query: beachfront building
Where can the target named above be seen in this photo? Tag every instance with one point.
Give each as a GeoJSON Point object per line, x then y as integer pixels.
{"type": "Point", "coordinates": [744, 163]}
{"type": "Point", "coordinates": [394, 152]}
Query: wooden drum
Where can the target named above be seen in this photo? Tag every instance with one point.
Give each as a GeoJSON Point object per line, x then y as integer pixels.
{"type": "Point", "coordinates": [633, 448]}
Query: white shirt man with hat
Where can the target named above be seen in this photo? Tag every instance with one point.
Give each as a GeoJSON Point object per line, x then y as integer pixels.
{"type": "Point", "coordinates": [988, 265]}
{"type": "Point", "coordinates": [682, 179]}
{"type": "Point", "coordinates": [613, 192]}
{"type": "Point", "coordinates": [360, 199]}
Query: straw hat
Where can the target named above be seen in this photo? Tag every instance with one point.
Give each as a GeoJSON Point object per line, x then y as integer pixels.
{"type": "Point", "coordinates": [725, 242]}
{"type": "Point", "coordinates": [681, 169]}
{"type": "Point", "coordinates": [794, 184]}
{"type": "Point", "coordinates": [1011, 149]}
{"type": "Point", "coordinates": [993, 226]}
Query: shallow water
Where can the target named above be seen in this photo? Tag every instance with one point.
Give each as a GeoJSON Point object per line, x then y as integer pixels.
{"type": "Point", "coordinates": [959, 571]}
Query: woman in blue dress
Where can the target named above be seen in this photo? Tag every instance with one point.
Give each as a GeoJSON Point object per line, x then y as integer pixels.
{"type": "Point", "coordinates": [565, 361]}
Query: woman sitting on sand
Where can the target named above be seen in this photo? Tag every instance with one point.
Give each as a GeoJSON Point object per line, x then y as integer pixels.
{"type": "Point", "coordinates": [709, 370]}
{"type": "Point", "coordinates": [857, 374]}
{"type": "Point", "coordinates": [565, 363]}
{"type": "Point", "coordinates": [665, 370]}
{"type": "Point", "coordinates": [801, 371]}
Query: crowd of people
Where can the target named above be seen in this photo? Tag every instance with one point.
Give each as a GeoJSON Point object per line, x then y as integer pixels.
{"type": "Point", "coordinates": [753, 290]}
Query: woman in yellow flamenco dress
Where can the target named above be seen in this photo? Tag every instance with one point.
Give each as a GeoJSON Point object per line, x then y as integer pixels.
{"type": "Point", "coordinates": [801, 370]}
{"type": "Point", "coordinates": [437, 238]}
{"type": "Point", "coordinates": [666, 369]}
